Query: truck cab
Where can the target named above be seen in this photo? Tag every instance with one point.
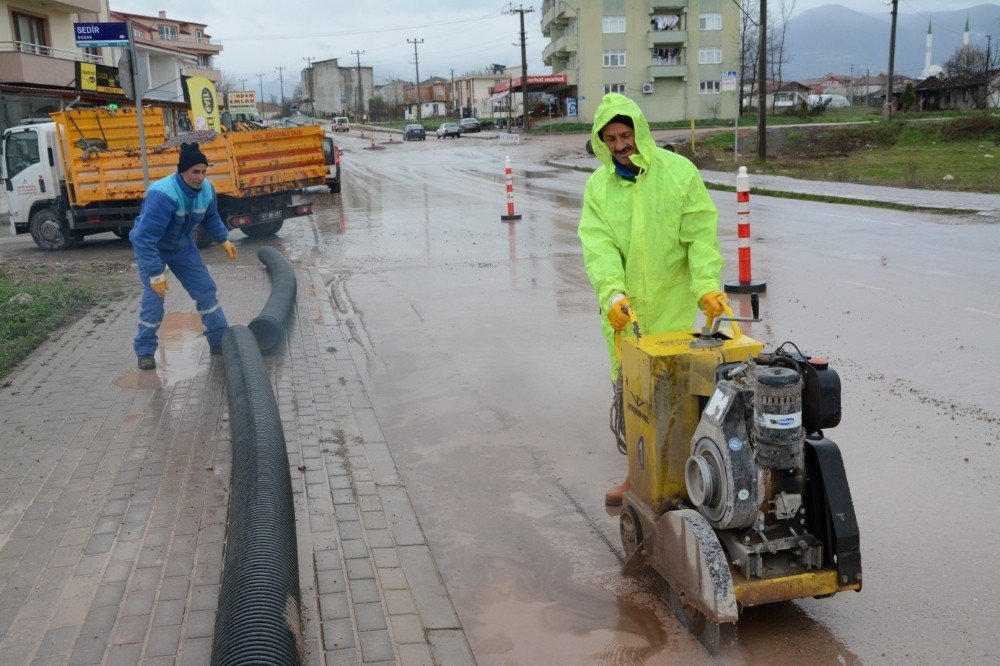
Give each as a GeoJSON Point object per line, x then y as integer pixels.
{"type": "Point", "coordinates": [30, 172]}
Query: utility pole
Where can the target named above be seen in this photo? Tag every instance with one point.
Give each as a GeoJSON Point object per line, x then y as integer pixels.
{"type": "Point", "coordinates": [762, 89]}
{"type": "Point", "coordinates": [260, 79]}
{"type": "Point", "coordinates": [243, 84]}
{"type": "Point", "coordinates": [309, 77]}
{"type": "Point", "coordinates": [361, 101]}
{"type": "Point", "coordinates": [453, 93]}
{"type": "Point", "coordinates": [524, 62]}
{"type": "Point", "coordinates": [416, 63]}
{"type": "Point", "coordinates": [281, 84]}
{"type": "Point", "coordinates": [892, 56]}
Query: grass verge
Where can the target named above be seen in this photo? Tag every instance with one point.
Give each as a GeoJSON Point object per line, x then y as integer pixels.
{"type": "Point", "coordinates": [52, 297]}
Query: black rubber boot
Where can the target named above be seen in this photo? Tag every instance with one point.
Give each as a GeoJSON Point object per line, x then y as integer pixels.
{"type": "Point", "coordinates": [215, 350]}
{"type": "Point", "coordinates": [147, 363]}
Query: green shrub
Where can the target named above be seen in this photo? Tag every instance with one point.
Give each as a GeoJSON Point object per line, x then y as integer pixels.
{"type": "Point", "coordinates": [971, 128]}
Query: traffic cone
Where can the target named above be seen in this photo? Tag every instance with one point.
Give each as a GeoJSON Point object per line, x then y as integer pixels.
{"type": "Point", "coordinates": [745, 284]}
{"type": "Point", "coordinates": [510, 216]}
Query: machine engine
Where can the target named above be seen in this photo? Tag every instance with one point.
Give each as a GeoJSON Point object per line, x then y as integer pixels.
{"type": "Point", "coordinates": [750, 469]}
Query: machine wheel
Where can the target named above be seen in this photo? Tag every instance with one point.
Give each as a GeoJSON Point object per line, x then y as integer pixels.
{"type": "Point", "coordinates": [631, 531]}
{"type": "Point", "coordinates": [261, 230]}
{"type": "Point", "coordinates": [711, 635]}
{"type": "Point", "coordinates": [50, 233]}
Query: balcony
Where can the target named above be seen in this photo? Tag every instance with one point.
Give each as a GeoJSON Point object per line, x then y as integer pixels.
{"type": "Point", "coordinates": [674, 70]}
{"type": "Point", "coordinates": [660, 5]}
{"type": "Point", "coordinates": [661, 37]}
{"type": "Point", "coordinates": [556, 13]}
{"type": "Point", "coordinates": [75, 6]}
{"type": "Point", "coordinates": [565, 44]}
{"type": "Point", "coordinates": [186, 42]}
{"type": "Point", "coordinates": [213, 75]}
{"type": "Point", "coordinates": [21, 62]}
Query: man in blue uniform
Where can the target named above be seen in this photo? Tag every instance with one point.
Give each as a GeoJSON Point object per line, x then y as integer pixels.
{"type": "Point", "coordinates": [163, 236]}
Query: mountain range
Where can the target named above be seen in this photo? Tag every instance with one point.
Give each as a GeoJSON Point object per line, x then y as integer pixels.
{"type": "Point", "coordinates": [832, 38]}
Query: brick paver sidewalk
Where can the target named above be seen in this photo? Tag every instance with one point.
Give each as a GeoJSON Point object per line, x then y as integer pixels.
{"type": "Point", "coordinates": [114, 491]}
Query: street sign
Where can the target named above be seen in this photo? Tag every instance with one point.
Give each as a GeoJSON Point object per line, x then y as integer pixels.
{"type": "Point", "coordinates": [101, 34]}
{"type": "Point", "coordinates": [125, 77]}
{"type": "Point", "coordinates": [242, 101]}
{"type": "Point", "coordinates": [728, 81]}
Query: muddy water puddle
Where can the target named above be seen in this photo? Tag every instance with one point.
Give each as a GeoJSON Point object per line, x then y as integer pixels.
{"type": "Point", "coordinates": [178, 357]}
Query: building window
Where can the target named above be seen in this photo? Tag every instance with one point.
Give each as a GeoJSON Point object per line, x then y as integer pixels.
{"type": "Point", "coordinates": [708, 87]}
{"type": "Point", "coordinates": [614, 58]}
{"type": "Point", "coordinates": [29, 31]}
{"type": "Point", "coordinates": [168, 32]}
{"type": "Point", "coordinates": [614, 24]}
{"type": "Point", "coordinates": [710, 21]}
{"type": "Point", "coordinates": [199, 36]}
{"type": "Point", "coordinates": [205, 61]}
{"type": "Point", "coordinates": [614, 88]}
{"type": "Point", "coordinates": [710, 55]}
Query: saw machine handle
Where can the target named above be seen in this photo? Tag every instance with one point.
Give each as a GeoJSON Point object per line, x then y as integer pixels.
{"type": "Point", "coordinates": [712, 324]}
{"type": "Point", "coordinates": [635, 329]}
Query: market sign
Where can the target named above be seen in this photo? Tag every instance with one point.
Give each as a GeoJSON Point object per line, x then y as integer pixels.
{"type": "Point", "coordinates": [540, 80]}
{"type": "Point", "coordinates": [242, 102]}
{"type": "Point", "coordinates": [91, 77]}
{"type": "Point", "coordinates": [91, 35]}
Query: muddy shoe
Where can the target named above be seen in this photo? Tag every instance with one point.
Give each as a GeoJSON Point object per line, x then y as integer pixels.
{"type": "Point", "coordinates": [614, 496]}
{"type": "Point", "coordinates": [147, 363]}
{"type": "Point", "coordinates": [215, 350]}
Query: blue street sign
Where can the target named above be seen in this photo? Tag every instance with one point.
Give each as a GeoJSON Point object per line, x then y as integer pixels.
{"type": "Point", "coordinates": [101, 34]}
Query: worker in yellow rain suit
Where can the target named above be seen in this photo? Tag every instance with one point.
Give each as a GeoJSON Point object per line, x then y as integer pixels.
{"type": "Point", "coordinates": [648, 230]}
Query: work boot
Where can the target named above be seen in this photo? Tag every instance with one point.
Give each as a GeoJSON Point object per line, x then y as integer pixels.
{"type": "Point", "coordinates": [215, 350]}
{"type": "Point", "coordinates": [614, 496]}
{"type": "Point", "coordinates": [147, 362]}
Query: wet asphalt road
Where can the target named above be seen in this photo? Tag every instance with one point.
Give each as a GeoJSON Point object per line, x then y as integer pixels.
{"type": "Point", "coordinates": [486, 367]}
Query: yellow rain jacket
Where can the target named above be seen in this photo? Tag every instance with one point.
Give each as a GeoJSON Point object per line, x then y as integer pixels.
{"type": "Point", "coordinates": [653, 239]}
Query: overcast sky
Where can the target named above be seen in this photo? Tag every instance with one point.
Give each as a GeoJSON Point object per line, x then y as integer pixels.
{"type": "Point", "coordinates": [461, 35]}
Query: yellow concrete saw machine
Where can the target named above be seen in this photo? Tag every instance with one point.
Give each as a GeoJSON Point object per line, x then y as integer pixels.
{"type": "Point", "coordinates": [737, 499]}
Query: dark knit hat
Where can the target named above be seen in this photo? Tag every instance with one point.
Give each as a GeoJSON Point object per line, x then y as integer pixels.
{"type": "Point", "coordinates": [190, 155]}
{"type": "Point", "coordinates": [624, 120]}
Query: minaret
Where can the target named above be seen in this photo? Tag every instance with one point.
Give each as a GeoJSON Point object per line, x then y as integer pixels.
{"type": "Point", "coordinates": [927, 53]}
{"type": "Point", "coordinates": [965, 36]}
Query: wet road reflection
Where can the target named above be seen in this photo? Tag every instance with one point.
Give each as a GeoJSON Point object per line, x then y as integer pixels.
{"type": "Point", "coordinates": [178, 356]}
{"type": "Point", "coordinates": [489, 376]}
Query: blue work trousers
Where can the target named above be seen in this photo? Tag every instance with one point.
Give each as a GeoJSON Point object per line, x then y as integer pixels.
{"type": "Point", "coordinates": [191, 272]}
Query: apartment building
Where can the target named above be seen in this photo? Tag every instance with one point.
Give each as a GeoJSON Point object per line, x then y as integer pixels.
{"type": "Point", "coordinates": [334, 88]}
{"type": "Point", "coordinates": [670, 56]}
{"type": "Point", "coordinates": [433, 94]}
{"type": "Point", "coordinates": [168, 49]}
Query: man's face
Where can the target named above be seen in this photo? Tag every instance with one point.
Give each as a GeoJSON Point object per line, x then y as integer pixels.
{"type": "Point", "coordinates": [620, 140]}
{"type": "Point", "coordinates": [195, 176]}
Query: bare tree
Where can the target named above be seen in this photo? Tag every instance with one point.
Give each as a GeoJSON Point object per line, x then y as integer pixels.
{"type": "Point", "coordinates": [974, 72]}
{"type": "Point", "coordinates": [749, 36]}
{"type": "Point", "coordinates": [777, 29]}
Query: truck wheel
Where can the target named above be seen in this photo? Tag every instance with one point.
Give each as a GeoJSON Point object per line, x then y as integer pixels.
{"type": "Point", "coordinates": [260, 230]}
{"type": "Point", "coordinates": [121, 233]}
{"type": "Point", "coordinates": [201, 239]}
{"type": "Point", "coordinates": [51, 233]}
{"type": "Point", "coordinates": [335, 186]}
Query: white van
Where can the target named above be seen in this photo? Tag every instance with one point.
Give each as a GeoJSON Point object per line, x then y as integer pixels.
{"type": "Point", "coordinates": [341, 124]}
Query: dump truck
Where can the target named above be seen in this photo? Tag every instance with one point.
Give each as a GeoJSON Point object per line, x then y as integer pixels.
{"type": "Point", "coordinates": [81, 173]}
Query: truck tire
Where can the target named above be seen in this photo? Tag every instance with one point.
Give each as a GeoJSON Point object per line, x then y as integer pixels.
{"type": "Point", "coordinates": [335, 186]}
{"type": "Point", "coordinates": [51, 233]}
{"type": "Point", "coordinates": [201, 239]}
{"type": "Point", "coordinates": [261, 230]}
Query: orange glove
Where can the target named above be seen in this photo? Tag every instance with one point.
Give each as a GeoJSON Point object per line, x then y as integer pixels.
{"type": "Point", "coordinates": [617, 316]}
{"type": "Point", "coordinates": [158, 283]}
{"type": "Point", "coordinates": [712, 303]}
{"type": "Point", "coordinates": [230, 249]}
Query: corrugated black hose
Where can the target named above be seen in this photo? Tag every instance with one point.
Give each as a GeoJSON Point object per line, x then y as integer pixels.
{"type": "Point", "coordinates": [258, 621]}
{"type": "Point", "coordinates": [269, 325]}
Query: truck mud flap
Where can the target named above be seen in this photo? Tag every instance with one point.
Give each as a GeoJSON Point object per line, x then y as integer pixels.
{"type": "Point", "coordinates": [259, 620]}
{"type": "Point", "coordinates": [269, 326]}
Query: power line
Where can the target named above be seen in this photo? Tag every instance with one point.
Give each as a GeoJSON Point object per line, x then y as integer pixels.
{"type": "Point", "coordinates": [341, 33]}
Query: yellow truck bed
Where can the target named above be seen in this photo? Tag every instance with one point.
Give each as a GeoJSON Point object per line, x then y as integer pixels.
{"type": "Point", "coordinates": [242, 164]}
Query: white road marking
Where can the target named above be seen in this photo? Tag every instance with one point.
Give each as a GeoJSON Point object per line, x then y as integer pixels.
{"type": "Point", "coordinates": [865, 286]}
{"type": "Point", "coordinates": [985, 312]}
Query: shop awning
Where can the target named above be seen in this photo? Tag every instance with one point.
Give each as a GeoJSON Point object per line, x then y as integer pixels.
{"type": "Point", "coordinates": [499, 96]}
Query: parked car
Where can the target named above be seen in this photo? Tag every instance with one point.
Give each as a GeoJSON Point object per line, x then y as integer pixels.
{"type": "Point", "coordinates": [449, 129]}
{"type": "Point", "coordinates": [340, 124]}
{"type": "Point", "coordinates": [469, 125]}
{"type": "Point", "coordinates": [414, 132]}
{"type": "Point", "coordinates": [331, 155]}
